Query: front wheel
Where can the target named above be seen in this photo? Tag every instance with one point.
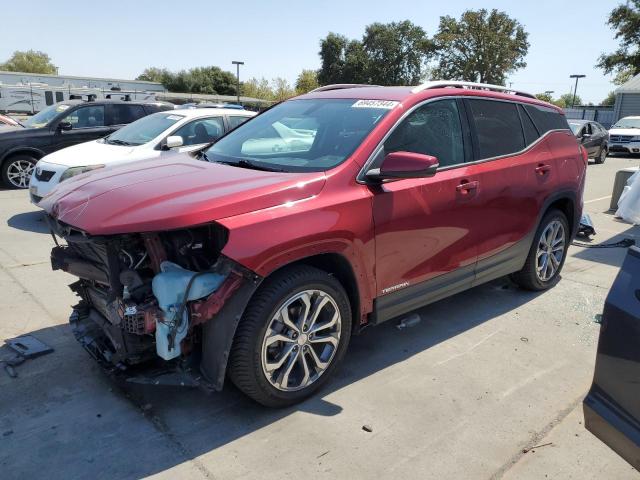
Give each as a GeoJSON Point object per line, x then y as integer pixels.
{"type": "Point", "coordinates": [547, 254]}
{"type": "Point", "coordinates": [17, 170]}
{"type": "Point", "coordinates": [292, 336]}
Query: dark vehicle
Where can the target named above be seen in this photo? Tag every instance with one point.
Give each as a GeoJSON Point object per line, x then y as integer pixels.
{"type": "Point", "coordinates": [612, 407]}
{"type": "Point", "coordinates": [339, 209]}
{"type": "Point", "coordinates": [59, 126]}
{"type": "Point", "coordinates": [593, 137]}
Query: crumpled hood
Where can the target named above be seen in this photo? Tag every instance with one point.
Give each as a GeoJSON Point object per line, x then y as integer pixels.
{"type": "Point", "coordinates": [95, 152]}
{"type": "Point", "coordinates": [625, 131]}
{"type": "Point", "coordinates": [168, 194]}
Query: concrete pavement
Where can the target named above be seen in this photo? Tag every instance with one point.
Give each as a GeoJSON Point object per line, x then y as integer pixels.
{"type": "Point", "coordinates": [486, 376]}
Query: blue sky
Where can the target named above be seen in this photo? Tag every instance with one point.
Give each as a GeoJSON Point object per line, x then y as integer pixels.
{"type": "Point", "coordinates": [280, 37]}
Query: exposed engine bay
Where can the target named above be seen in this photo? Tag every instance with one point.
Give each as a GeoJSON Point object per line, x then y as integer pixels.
{"type": "Point", "coordinates": [146, 299]}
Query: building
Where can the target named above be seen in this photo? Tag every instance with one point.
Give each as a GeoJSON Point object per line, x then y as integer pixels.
{"type": "Point", "coordinates": [627, 99]}
{"type": "Point", "coordinates": [68, 81]}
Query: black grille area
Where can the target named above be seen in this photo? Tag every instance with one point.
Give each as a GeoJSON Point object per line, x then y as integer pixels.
{"type": "Point", "coordinates": [621, 138]}
{"type": "Point", "coordinates": [44, 175]}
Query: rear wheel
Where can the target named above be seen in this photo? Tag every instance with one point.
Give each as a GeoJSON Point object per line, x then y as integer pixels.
{"type": "Point", "coordinates": [547, 254]}
{"type": "Point", "coordinates": [602, 155]}
{"type": "Point", "coordinates": [292, 337]}
{"type": "Point", "coordinates": [17, 170]}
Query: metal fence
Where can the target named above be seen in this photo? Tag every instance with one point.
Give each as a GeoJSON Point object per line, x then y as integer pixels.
{"type": "Point", "coordinates": [603, 115]}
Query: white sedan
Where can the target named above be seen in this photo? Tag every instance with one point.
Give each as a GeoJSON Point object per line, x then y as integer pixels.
{"type": "Point", "coordinates": [153, 136]}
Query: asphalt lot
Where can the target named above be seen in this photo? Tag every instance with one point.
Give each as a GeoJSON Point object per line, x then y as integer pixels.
{"type": "Point", "coordinates": [484, 377]}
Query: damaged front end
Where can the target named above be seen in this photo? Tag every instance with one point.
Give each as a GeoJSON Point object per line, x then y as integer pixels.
{"type": "Point", "coordinates": [159, 308]}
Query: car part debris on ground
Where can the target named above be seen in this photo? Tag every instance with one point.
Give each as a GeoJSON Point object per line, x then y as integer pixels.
{"type": "Point", "coordinates": [24, 348]}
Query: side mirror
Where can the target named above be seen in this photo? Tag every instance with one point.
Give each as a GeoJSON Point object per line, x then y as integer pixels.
{"type": "Point", "coordinates": [404, 165]}
{"type": "Point", "coordinates": [174, 141]}
{"type": "Point", "coordinates": [66, 126]}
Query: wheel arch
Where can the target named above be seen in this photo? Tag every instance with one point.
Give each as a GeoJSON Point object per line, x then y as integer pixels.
{"type": "Point", "coordinates": [34, 152]}
{"type": "Point", "coordinates": [339, 266]}
{"type": "Point", "coordinates": [566, 204]}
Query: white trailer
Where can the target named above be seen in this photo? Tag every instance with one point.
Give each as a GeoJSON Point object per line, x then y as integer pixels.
{"type": "Point", "coordinates": [32, 97]}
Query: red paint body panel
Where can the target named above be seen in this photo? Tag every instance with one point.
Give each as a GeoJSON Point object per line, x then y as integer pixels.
{"type": "Point", "coordinates": [404, 231]}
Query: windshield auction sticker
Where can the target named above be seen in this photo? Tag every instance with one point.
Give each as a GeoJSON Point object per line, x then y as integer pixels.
{"type": "Point", "coordinates": [387, 104]}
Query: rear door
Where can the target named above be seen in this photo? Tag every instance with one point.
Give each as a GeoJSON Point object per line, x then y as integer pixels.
{"type": "Point", "coordinates": [508, 183]}
{"type": "Point", "coordinates": [121, 114]}
{"type": "Point", "coordinates": [612, 407]}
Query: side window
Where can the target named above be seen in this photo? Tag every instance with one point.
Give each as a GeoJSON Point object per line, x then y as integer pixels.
{"type": "Point", "coordinates": [203, 130]}
{"type": "Point", "coordinates": [48, 97]}
{"type": "Point", "coordinates": [59, 97]}
{"type": "Point", "coordinates": [123, 114]}
{"type": "Point", "coordinates": [546, 118]}
{"type": "Point", "coordinates": [530, 132]}
{"type": "Point", "coordinates": [235, 120]}
{"type": "Point", "coordinates": [497, 126]}
{"type": "Point", "coordinates": [432, 129]}
{"type": "Point", "coordinates": [86, 117]}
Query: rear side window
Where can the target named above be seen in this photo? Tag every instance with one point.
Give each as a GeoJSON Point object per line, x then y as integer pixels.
{"type": "Point", "coordinates": [123, 114]}
{"type": "Point", "coordinates": [546, 118]}
{"type": "Point", "coordinates": [432, 129]}
{"type": "Point", "coordinates": [497, 126]}
{"type": "Point", "coordinates": [235, 120]}
{"type": "Point", "coordinates": [530, 132]}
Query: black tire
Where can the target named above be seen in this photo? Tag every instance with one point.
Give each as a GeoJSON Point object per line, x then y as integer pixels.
{"type": "Point", "coordinates": [245, 361]}
{"type": "Point", "coordinates": [10, 165]}
{"type": "Point", "coordinates": [528, 278]}
{"type": "Point", "coordinates": [602, 155]}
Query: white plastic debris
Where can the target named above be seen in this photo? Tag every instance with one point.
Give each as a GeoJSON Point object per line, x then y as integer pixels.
{"type": "Point", "coordinates": [629, 203]}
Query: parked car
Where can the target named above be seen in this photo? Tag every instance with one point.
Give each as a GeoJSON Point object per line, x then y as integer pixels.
{"type": "Point", "coordinates": [593, 137]}
{"type": "Point", "coordinates": [153, 136]}
{"type": "Point", "coordinates": [612, 409]}
{"type": "Point", "coordinates": [260, 266]}
{"type": "Point", "coordinates": [62, 125]}
{"type": "Point", "coordinates": [624, 136]}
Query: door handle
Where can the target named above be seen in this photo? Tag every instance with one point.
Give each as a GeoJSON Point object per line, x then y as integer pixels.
{"type": "Point", "coordinates": [465, 186]}
{"type": "Point", "coordinates": [542, 169]}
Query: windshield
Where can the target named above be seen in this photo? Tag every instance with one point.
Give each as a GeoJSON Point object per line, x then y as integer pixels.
{"type": "Point", "coordinates": [575, 127]}
{"type": "Point", "coordinates": [627, 123]}
{"type": "Point", "coordinates": [43, 117]}
{"type": "Point", "coordinates": [301, 135]}
{"type": "Point", "coordinates": [143, 130]}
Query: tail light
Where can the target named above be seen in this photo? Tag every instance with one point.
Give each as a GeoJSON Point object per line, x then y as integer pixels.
{"type": "Point", "coordinates": [585, 155]}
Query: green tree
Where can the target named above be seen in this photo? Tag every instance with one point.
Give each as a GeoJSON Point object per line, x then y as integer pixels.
{"type": "Point", "coordinates": [545, 97]}
{"type": "Point", "coordinates": [625, 20]}
{"type": "Point", "coordinates": [610, 101]}
{"type": "Point", "coordinates": [306, 81]}
{"type": "Point", "coordinates": [207, 80]}
{"type": "Point", "coordinates": [567, 100]}
{"type": "Point", "coordinates": [397, 52]}
{"type": "Point", "coordinates": [257, 88]}
{"type": "Point", "coordinates": [29, 61]}
{"type": "Point", "coordinates": [388, 54]}
{"type": "Point", "coordinates": [281, 89]}
{"type": "Point", "coordinates": [482, 46]}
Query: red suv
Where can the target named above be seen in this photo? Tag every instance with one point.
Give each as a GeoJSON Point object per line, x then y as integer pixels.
{"type": "Point", "coordinates": [325, 214]}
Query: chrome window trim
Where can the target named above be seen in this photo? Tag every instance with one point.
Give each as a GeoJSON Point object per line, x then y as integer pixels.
{"type": "Point", "coordinates": [362, 179]}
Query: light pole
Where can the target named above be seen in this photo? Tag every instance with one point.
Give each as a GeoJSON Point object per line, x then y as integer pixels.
{"type": "Point", "coordinates": [237, 64]}
{"type": "Point", "coordinates": [575, 90]}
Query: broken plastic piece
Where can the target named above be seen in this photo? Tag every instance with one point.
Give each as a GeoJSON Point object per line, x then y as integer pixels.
{"type": "Point", "coordinates": [586, 228]}
{"type": "Point", "coordinates": [28, 346]}
{"type": "Point", "coordinates": [408, 322]}
{"type": "Point", "coordinates": [173, 286]}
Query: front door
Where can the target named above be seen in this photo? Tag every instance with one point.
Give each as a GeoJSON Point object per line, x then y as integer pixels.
{"type": "Point", "coordinates": [87, 123]}
{"type": "Point", "coordinates": [612, 407]}
{"type": "Point", "coordinates": [425, 228]}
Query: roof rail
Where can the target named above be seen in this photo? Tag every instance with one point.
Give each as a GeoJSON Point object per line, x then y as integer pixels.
{"type": "Point", "coordinates": [470, 86]}
{"type": "Point", "coordinates": [341, 86]}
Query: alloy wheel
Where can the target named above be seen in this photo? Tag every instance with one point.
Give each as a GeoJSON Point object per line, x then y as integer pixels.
{"type": "Point", "coordinates": [19, 173]}
{"type": "Point", "coordinates": [550, 251]}
{"type": "Point", "coordinates": [603, 155]}
{"type": "Point", "coordinates": [301, 340]}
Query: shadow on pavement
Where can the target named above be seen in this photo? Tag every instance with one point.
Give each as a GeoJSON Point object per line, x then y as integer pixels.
{"type": "Point", "coordinates": [609, 256]}
{"type": "Point", "coordinates": [29, 222]}
{"type": "Point", "coordinates": [82, 424]}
